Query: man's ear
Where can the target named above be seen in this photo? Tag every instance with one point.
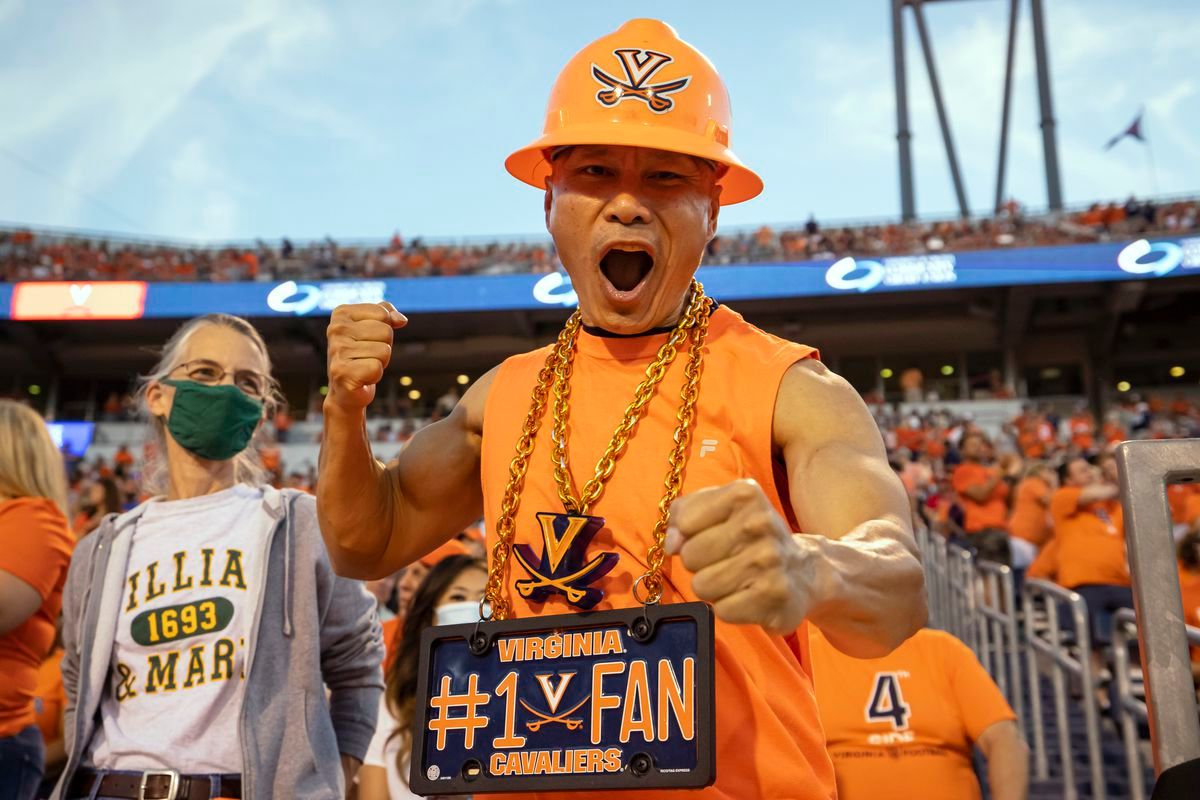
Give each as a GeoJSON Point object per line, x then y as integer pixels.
{"type": "Point", "coordinates": [548, 202]}
{"type": "Point", "coordinates": [714, 210]}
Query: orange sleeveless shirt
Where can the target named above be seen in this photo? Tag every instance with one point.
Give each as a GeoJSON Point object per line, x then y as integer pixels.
{"type": "Point", "coordinates": [769, 737]}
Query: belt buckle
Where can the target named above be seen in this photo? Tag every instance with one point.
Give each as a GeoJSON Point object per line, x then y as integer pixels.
{"type": "Point", "coordinates": [172, 787]}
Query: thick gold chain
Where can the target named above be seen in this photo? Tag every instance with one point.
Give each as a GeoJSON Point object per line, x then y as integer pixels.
{"type": "Point", "coordinates": [555, 376]}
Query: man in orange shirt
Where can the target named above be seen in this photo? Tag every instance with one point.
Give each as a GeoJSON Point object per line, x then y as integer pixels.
{"type": "Point", "coordinates": [633, 177]}
{"type": "Point", "coordinates": [1030, 523]}
{"type": "Point", "coordinates": [1083, 430]}
{"type": "Point", "coordinates": [909, 721]}
{"type": "Point", "coordinates": [1090, 536]}
{"type": "Point", "coordinates": [983, 492]}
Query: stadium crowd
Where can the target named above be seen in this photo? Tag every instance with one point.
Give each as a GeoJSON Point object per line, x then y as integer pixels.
{"type": "Point", "coordinates": [26, 255]}
{"type": "Point", "coordinates": [1040, 495]}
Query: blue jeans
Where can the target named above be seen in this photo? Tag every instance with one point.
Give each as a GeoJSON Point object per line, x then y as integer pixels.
{"type": "Point", "coordinates": [22, 758]}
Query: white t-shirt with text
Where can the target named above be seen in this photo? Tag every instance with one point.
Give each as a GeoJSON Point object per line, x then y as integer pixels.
{"type": "Point", "coordinates": [177, 675]}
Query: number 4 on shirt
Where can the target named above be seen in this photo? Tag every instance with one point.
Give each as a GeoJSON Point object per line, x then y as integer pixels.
{"type": "Point", "coordinates": [886, 703]}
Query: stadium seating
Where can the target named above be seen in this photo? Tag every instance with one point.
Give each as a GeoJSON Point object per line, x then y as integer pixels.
{"type": "Point", "coordinates": [1041, 666]}
{"type": "Point", "coordinates": [48, 254]}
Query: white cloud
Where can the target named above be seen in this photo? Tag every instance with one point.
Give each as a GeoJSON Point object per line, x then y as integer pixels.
{"type": "Point", "coordinates": [120, 72]}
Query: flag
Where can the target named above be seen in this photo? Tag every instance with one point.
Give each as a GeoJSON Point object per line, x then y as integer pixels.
{"type": "Point", "coordinates": [1134, 130]}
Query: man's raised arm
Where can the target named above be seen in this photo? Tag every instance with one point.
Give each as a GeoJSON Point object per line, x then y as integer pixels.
{"type": "Point", "coordinates": [376, 519]}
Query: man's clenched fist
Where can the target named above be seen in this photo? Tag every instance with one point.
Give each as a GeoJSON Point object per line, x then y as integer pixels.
{"type": "Point", "coordinates": [360, 347]}
{"type": "Point", "coordinates": [744, 559]}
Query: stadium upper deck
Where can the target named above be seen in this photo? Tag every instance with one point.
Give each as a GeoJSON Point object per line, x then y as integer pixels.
{"type": "Point", "coordinates": [28, 255]}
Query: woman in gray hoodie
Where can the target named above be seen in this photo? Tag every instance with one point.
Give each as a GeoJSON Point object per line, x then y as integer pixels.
{"type": "Point", "coordinates": [203, 628]}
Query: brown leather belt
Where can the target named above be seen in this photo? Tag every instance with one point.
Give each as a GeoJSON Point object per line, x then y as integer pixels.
{"type": "Point", "coordinates": [154, 785]}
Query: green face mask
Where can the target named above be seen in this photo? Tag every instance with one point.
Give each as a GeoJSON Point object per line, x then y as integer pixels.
{"type": "Point", "coordinates": [214, 422]}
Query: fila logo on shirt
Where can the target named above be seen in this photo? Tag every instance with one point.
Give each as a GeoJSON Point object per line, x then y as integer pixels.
{"type": "Point", "coordinates": [886, 704]}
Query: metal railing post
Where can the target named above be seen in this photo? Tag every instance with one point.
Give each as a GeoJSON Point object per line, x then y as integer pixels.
{"type": "Point", "coordinates": [1145, 468]}
{"type": "Point", "coordinates": [1060, 662]}
{"type": "Point", "coordinates": [1041, 767]}
{"type": "Point", "coordinates": [1129, 708]}
{"type": "Point", "coordinates": [1123, 701]}
{"type": "Point", "coordinates": [999, 618]}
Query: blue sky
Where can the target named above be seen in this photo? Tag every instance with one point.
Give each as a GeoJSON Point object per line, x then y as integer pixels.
{"type": "Point", "coordinates": [245, 118]}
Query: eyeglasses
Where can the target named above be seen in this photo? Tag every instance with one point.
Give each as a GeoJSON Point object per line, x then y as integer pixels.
{"type": "Point", "coordinates": [210, 373]}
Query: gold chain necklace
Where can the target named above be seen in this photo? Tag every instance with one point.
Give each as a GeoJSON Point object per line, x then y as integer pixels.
{"type": "Point", "coordinates": [555, 376]}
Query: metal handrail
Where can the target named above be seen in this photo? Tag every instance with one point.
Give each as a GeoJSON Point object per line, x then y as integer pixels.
{"type": "Point", "coordinates": [1060, 662]}
{"type": "Point", "coordinates": [1131, 709]}
{"type": "Point", "coordinates": [1145, 468]}
{"type": "Point", "coordinates": [1002, 642]}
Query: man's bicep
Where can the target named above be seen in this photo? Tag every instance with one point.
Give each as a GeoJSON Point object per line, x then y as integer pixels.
{"type": "Point", "coordinates": [838, 473]}
{"type": "Point", "coordinates": [436, 481]}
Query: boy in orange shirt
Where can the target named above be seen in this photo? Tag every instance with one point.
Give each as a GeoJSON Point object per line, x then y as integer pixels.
{"type": "Point", "coordinates": [908, 721]}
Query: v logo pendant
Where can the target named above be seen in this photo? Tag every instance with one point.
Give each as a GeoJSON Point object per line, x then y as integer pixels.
{"type": "Point", "coordinates": [562, 568]}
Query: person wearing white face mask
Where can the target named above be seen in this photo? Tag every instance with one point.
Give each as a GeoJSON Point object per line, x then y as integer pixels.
{"type": "Point", "coordinates": [449, 595]}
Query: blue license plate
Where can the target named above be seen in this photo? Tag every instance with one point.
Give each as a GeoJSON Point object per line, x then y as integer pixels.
{"type": "Point", "coordinates": [601, 700]}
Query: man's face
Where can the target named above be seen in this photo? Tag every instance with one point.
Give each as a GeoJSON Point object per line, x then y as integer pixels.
{"type": "Point", "coordinates": [409, 582]}
{"type": "Point", "coordinates": [630, 225]}
{"type": "Point", "coordinates": [1108, 469]}
{"type": "Point", "coordinates": [973, 447]}
{"type": "Point", "coordinates": [1080, 473]}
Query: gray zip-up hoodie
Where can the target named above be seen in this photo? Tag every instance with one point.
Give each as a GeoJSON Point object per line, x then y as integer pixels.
{"type": "Point", "coordinates": [313, 630]}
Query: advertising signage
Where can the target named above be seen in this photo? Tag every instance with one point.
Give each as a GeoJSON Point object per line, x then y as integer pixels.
{"type": "Point", "coordinates": [1137, 260]}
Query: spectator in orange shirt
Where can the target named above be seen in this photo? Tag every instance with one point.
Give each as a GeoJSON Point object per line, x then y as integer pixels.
{"type": "Point", "coordinates": [1191, 512]}
{"type": "Point", "coordinates": [1083, 429]}
{"type": "Point", "coordinates": [912, 382]}
{"type": "Point", "coordinates": [1189, 587]}
{"type": "Point", "coordinates": [1030, 523]}
{"type": "Point", "coordinates": [910, 435]}
{"type": "Point", "coordinates": [983, 492]}
{"type": "Point", "coordinates": [1178, 497]}
{"type": "Point", "coordinates": [1088, 528]}
{"type": "Point", "coordinates": [1113, 431]}
{"type": "Point", "coordinates": [35, 550]}
{"type": "Point", "coordinates": [123, 458]}
{"type": "Point", "coordinates": [911, 718]}
{"type": "Point", "coordinates": [935, 443]}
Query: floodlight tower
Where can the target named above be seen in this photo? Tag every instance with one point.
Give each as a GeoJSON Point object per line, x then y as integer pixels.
{"type": "Point", "coordinates": [908, 205]}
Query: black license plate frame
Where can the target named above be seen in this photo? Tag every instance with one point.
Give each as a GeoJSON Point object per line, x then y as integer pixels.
{"type": "Point", "coordinates": [652, 635]}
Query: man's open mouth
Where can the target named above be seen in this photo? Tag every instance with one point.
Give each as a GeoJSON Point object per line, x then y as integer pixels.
{"type": "Point", "coordinates": [626, 266]}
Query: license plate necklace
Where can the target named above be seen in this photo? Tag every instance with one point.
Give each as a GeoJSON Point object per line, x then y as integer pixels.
{"type": "Point", "coordinates": [564, 568]}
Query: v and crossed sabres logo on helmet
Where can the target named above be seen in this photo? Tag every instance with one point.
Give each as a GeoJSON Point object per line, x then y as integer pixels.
{"type": "Point", "coordinates": [639, 67]}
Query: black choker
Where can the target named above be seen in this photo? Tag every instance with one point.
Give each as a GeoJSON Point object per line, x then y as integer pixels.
{"type": "Point", "coordinates": [594, 330]}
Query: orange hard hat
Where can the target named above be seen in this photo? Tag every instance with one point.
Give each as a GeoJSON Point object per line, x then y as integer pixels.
{"type": "Point", "coordinates": [641, 86]}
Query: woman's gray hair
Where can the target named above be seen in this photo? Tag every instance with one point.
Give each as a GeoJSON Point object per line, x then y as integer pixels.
{"type": "Point", "coordinates": [247, 466]}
